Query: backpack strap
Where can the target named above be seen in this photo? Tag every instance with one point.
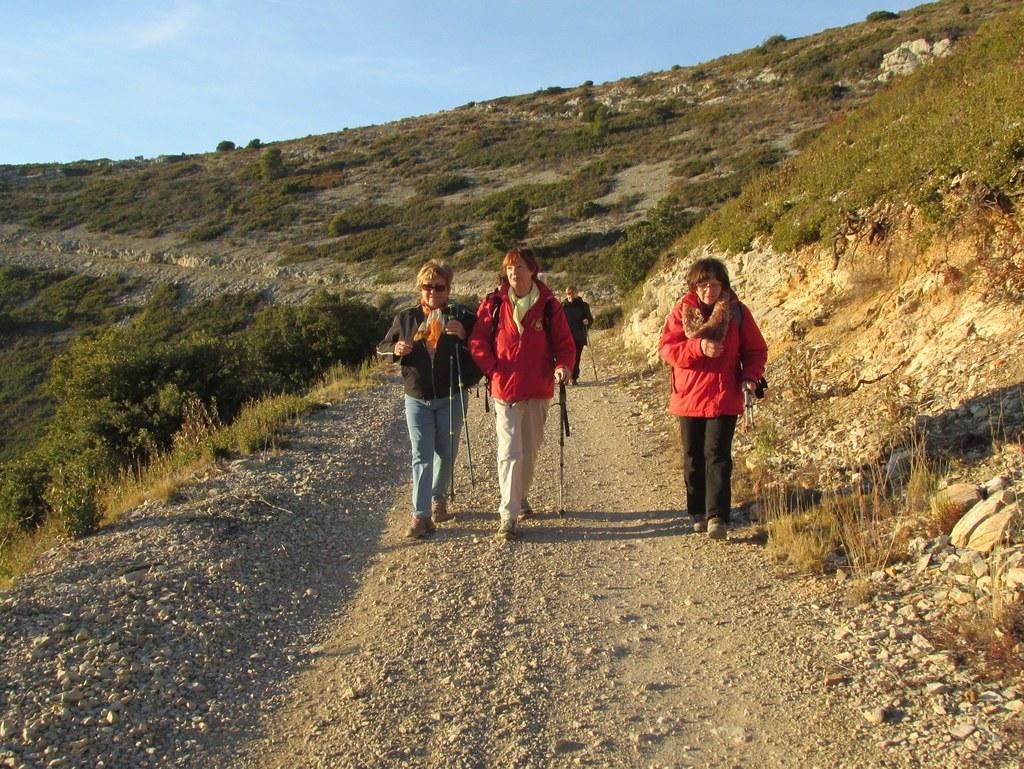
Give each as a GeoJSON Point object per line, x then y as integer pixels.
{"type": "Point", "coordinates": [496, 317]}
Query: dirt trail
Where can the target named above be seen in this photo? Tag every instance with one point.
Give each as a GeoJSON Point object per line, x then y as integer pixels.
{"type": "Point", "coordinates": [609, 637]}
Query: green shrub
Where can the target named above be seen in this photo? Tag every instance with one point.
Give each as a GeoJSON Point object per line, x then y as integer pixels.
{"type": "Point", "coordinates": [635, 255]}
{"type": "Point", "coordinates": [607, 317]}
{"type": "Point", "coordinates": [822, 92]}
{"type": "Point", "coordinates": [359, 218]}
{"type": "Point", "coordinates": [74, 483]}
{"type": "Point", "coordinates": [268, 207]}
{"type": "Point", "coordinates": [443, 184]}
{"type": "Point", "coordinates": [207, 231]}
{"type": "Point", "coordinates": [288, 347]}
{"type": "Point", "coordinates": [588, 210]}
{"type": "Point", "coordinates": [23, 482]}
{"type": "Point", "coordinates": [123, 394]}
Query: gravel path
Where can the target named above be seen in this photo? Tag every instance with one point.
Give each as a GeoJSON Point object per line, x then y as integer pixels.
{"type": "Point", "coordinates": [275, 615]}
{"type": "Point", "coordinates": [608, 637]}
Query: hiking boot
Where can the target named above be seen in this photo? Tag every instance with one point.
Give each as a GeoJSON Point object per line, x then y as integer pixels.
{"type": "Point", "coordinates": [525, 511]}
{"type": "Point", "coordinates": [507, 530]}
{"type": "Point", "coordinates": [421, 527]}
{"type": "Point", "coordinates": [700, 525]}
{"type": "Point", "coordinates": [716, 529]}
{"type": "Point", "coordinates": [439, 511]}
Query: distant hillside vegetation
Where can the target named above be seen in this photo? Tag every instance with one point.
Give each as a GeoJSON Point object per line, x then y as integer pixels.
{"type": "Point", "coordinates": [577, 166]}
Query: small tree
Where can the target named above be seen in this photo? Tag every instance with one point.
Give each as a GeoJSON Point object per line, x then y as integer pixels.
{"type": "Point", "coordinates": [254, 144]}
{"type": "Point", "coordinates": [272, 165]}
{"type": "Point", "coordinates": [510, 225]}
{"type": "Point", "coordinates": [635, 255]}
{"type": "Point", "coordinates": [225, 146]}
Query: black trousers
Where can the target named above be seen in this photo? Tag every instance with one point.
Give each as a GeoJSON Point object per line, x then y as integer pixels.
{"type": "Point", "coordinates": [707, 465]}
{"type": "Point", "coordinates": [579, 356]}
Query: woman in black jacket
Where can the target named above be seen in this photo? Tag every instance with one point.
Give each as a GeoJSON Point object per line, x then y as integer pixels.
{"type": "Point", "coordinates": [429, 341]}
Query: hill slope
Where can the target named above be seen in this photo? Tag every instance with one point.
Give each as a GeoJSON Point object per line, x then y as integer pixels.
{"type": "Point", "coordinates": [588, 161]}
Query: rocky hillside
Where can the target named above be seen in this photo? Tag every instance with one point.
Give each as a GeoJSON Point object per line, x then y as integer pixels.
{"type": "Point", "coordinates": [361, 208]}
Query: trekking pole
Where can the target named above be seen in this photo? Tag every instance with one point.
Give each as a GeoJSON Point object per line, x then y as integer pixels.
{"type": "Point", "coordinates": [465, 418]}
{"type": "Point", "coordinates": [562, 434]}
{"type": "Point", "coordinates": [451, 426]}
{"type": "Point", "coordinates": [593, 360]}
{"type": "Point", "coordinates": [748, 411]}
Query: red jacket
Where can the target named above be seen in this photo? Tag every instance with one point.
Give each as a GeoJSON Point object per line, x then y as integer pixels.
{"type": "Point", "coordinates": [521, 366]}
{"type": "Point", "coordinates": [711, 387]}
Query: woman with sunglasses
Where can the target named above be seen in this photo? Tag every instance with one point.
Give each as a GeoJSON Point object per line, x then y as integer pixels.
{"type": "Point", "coordinates": [424, 339]}
{"type": "Point", "coordinates": [524, 345]}
{"type": "Point", "coordinates": [717, 353]}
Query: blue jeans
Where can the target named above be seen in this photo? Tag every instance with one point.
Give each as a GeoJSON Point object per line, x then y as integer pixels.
{"type": "Point", "coordinates": [435, 443]}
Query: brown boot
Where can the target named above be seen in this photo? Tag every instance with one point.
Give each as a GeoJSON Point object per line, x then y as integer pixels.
{"type": "Point", "coordinates": [421, 527]}
{"type": "Point", "coordinates": [439, 510]}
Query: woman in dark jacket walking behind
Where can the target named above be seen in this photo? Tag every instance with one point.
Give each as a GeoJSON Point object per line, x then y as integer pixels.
{"type": "Point", "coordinates": [717, 353]}
{"type": "Point", "coordinates": [425, 338]}
{"type": "Point", "coordinates": [578, 315]}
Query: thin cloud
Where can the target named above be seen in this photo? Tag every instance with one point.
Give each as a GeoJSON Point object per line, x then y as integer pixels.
{"type": "Point", "coordinates": [166, 27]}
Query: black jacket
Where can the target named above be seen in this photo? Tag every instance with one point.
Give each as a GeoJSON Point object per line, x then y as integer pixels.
{"type": "Point", "coordinates": [428, 378]}
{"type": "Point", "coordinates": [576, 312]}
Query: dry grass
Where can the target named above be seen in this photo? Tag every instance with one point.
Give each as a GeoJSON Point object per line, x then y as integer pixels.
{"type": "Point", "coordinates": [861, 591]}
{"type": "Point", "coordinates": [801, 534]}
{"type": "Point", "coordinates": [22, 550]}
{"type": "Point", "coordinates": [802, 541]}
{"type": "Point", "coordinates": [861, 532]}
{"type": "Point", "coordinates": [872, 534]}
{"type": "Point", "coordinates": [945, 513]}
{"type": "Point", "coordinates": [987, 641]}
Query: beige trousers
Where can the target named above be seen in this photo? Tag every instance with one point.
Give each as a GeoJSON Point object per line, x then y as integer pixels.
{"type": "Point", "coordinates": [520, 432]}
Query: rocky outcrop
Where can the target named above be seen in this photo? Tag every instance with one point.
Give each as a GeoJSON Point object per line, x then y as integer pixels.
{"type": "Point", "coordinates": [911, 56]}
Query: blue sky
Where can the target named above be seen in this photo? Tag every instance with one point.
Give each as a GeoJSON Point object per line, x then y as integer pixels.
{"type": "Point", "coordinates": [82, 79]}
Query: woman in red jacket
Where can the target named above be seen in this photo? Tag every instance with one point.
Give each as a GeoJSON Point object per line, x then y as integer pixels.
{"type": "Point", "coordinates": [716, 352]}
{"type": "Point", "coordinates": [522, 343]}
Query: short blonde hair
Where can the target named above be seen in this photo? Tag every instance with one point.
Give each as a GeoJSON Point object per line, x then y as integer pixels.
{"type": "Point", "coordinates": [435, 269]}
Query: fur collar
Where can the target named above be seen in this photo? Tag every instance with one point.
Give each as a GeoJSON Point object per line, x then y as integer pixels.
{"type": "Point", "coordinates": [696, 326]}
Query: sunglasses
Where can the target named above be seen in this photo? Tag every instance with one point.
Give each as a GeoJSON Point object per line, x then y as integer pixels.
{"type": "Point", "coordinates": [438, 288]}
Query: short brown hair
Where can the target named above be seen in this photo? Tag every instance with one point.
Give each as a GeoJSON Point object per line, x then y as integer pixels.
{"type": "Point", "coordinates": [435, 269]}
{"type": "Point", "coordinates": [707, 269]}
{"type": "Point", "coordinates": [526, 254]}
